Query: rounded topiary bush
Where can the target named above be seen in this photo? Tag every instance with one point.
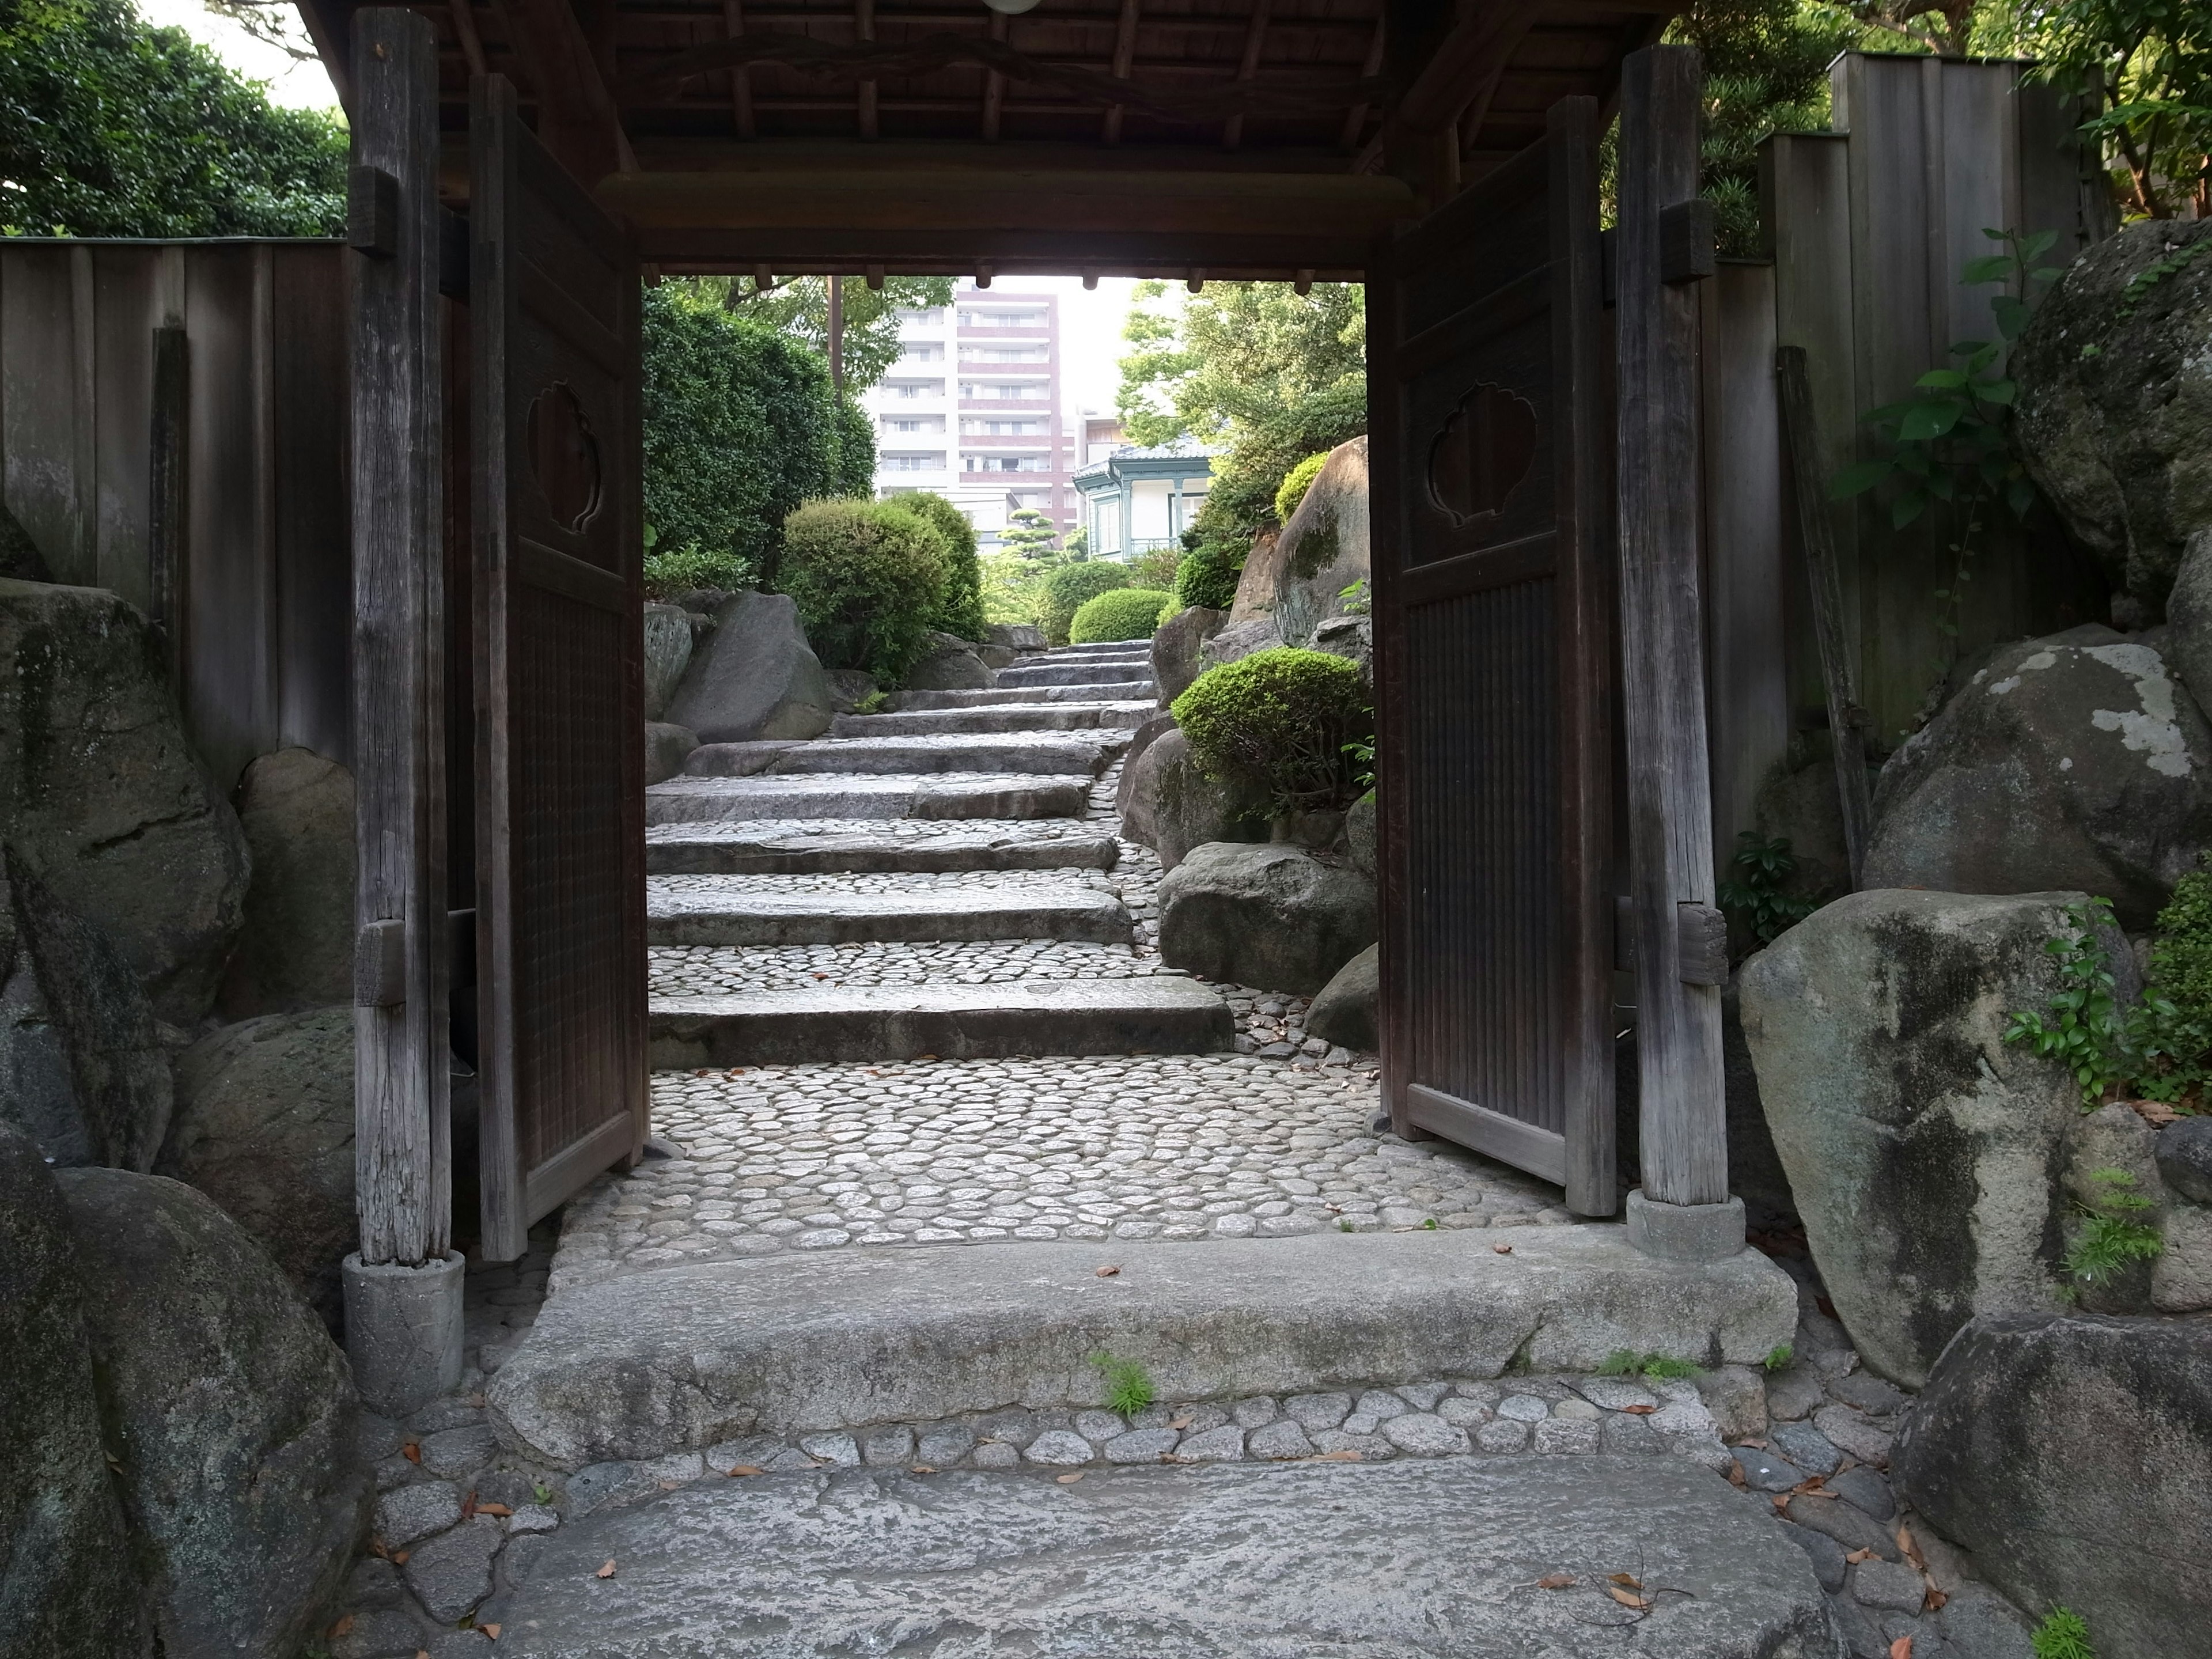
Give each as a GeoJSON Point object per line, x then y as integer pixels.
{"type": "Point", "coordinates": [1068, 587]}
{"type": "Point", "coordinates": [1296, 482]}
{"type": "Point", "coordinates": [867, 578]}
{"type": "Point", "coordinates": [1279, 721]}
{"type": "Point", "coordinates": [1207, 575]}
{"type": "Point", "coordinates": [960, 610]}
{"type": "Point", "coordinates": [1120, 613]}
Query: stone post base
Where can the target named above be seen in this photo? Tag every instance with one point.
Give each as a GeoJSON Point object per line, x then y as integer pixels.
{"type": "Point", "coordinates": [403, 1332]}
{"type": "Point", "coordinates": [1684, 1232]}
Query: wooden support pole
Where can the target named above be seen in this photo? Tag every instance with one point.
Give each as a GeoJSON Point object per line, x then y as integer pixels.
{"type": "Point", "coordinates": [1684, 1118]}
{"type": "Point", "coordinates": [402, 1149]}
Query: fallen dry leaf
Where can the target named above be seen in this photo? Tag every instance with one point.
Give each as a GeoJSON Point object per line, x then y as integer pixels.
{"type": "Point", "coordinates": [1502, 1249]}
{"type": "Point", "coordinates": [421, 1653]}
{"type": "Point", "coordinates": [1181, 1422]}
{"type": "Point", "coordinates": [1858, 1556]}
{"type": "Point", "coordinates": [1555, 1581]}
{"type": "Point", "coordinates": [400, 1558]}
{"type": "Point", "coordinates": [469, 1505]}
{"type": "Point", "coordinates": [1628, 1598]}
{"type": "Point", "coordinates": [923, 1469]}
{"type": "Point", "coordinates": [1756, 1445]}
{"type": "Point", "coordinates": [925, 1056]}
{"type": "Point", "coordinates": [494, 1509]}
{"type": "Point", "coordinates": [1901, 1648]}
{"type": "Point", "coordinates": [341, 1627]}
{"type": "Point", "coordinates": [1781, 1501]}
{"type": "Point", "coordinates": [669, 1485]}
{"type": "Point", "coordinates": [1934, 1599]}
{"type": "Point", "coordinates": [1638, 1411]}
{"type": "Point", "coordinates": [1629, 1579]}
{"type": "Point", "coordinates": [1347, 1456]}
{"type": "Point", "coordinates": [1736, 1474]}
{"type": "Point", "coordinates": [491, 1631]}
{"type": "Point", "coordinates": [477, 1401]}
{"type": "Point", "coordinates": [1105, 1272]}
{"type": "Point", "coordinates": [2156, 1113]}
{"type": "Point", "coordinates": [411, 1452]}
{"type": "Point", "coordinates": [745, 1468]}
{"type": "Point", "coordinates": [1911, 1550]}
{"type": "Point", "coordinates": [606, 1571]}
{"type": "Point", "coordinates": [1068, 1479]}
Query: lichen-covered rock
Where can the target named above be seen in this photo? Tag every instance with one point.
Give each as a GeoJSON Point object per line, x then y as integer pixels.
{"type": "Point", "coordinates": [66, 1590]}
{"type": "Point", "coordinates": [1345, 1010]}
{"type": "Point", "coordinates": [754, 677]}
{"type": "Point", "coordinates": [1143, 738]}
{"type": "Point", "coordinates": [1176, 647]}
{"type": "Point", "coordinates": [84, 1071]}
{"type": "Point", "coordinates": [849, 687]}
{"type": "Point", "coordinates": [667, 630]}
{"type": "Point", "coordinates": [295, 950]}
{"type": "Point", "coordinates": [1022, 637]}
{"type": "Point", "coordinates": [264, 1126]}
{"type": "Point", "coordinates": [1238, 641]}
{"type": "Point", "coordinates": [1926, 1154]}
{"type": "Point", "coordinates": [1324, 548]}
{"type": "Point", "coordinates": [2115, 402]}
{"type": "Point", "coordinates": [667, 748]}
{"type": "Point", "coordinates": [1271, 917]}
{"type": "Point", "coordinates": [2071, 1456]}
{"type": "Point", "coordinates": [1352, 638]}
{"type": "Point", "coordinates": [229, 1412]}
{"type": "Point", "coordinates": [2068, 763]}
{"type": "Point", "coordinates": [104, 798]}
{"type": "Point", "coordinates": [1171, 805]}
{"type": "Point", "coordinates": [949, 664]}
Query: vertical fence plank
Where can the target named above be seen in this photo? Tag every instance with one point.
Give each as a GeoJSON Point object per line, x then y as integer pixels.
{"type": "Point", "coordinates": [314, 561]}
{"type": "Point", "coordinates": [47, 494]}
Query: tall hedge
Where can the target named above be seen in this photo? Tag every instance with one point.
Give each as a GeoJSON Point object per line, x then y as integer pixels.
{"type": "Point", "coordinates": [867, 578]}
{"type": "Point", "coordinates": [740, 428]}
{"type": "Point", "coordinates": [960, 610]}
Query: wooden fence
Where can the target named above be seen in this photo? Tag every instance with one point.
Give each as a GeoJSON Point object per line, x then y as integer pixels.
{"type": "Point", "coordinates": [172, 426]}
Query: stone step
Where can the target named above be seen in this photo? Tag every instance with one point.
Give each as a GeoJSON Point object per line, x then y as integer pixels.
{"type": "Point", "coordinates": [1119, 691]}
{"type": "Point", "coordinates": [1093, 671]}
{"type": "Point", "coordinates": [1439, 1559]}
{"type": "Point", "coordinates": [777, 848]}
{"type": "Point", "coordinates": [1099, 648]}
{"type": "Point", "coordinates": [1154, 1014]}
{"type": "Point", "coordinates": [696, 913]}
{"type": "Point", "coordinates": [1057, 755]}
{"type": "Point", "coordinates": [674, 1360]}
{"type": "Point", "coordinates": [1015, 717]}
{"type": "Point", "coordinates": [952, 795]}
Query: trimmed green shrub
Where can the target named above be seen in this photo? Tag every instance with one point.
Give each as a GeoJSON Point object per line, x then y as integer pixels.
{"type": "Point", "coordinates": [1279, 721]}
{"type": "Point", "coordinates": [960, 612]}
{"type": "Point", "coordinates": [1208, 573]}
{"type": "Point", "coordinates": [681, 569]}
{"type": "Point", "coordinates": [1296, 482]}
{"type": "Point", "coordinates": [1120, 613]}
{"type": "Point", "coordinates": [1068, 587]}
{"type": "Point", "coordinates": [2181, 948]}
{"type": "Point", "coordinates": [867, 578]}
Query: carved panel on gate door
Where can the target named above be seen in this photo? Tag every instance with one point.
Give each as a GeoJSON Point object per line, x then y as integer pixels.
{"type": "Point", "coordinates": [1485, 452]}
{"type": "Point", "coordinates": [564, 457]}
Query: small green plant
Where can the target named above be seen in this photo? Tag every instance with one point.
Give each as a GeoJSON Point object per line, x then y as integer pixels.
{"type": "Point", "coordinates": [2111, 1237]}
{"type": "Point", "coordinates": [1067, 588]}
{"type": "Point", "coordinates": [1778, 1357]}
{"type": "Point", "coordinates": [2152, 1048]}
{"type": "Point", "coordinates": [2064, 1634]}
{"type": "Point", "coordinates": [541, 1492]}
{"type": "Point", "coordinates": [1358, 600]}
{"type": "Point", "coordinates": [874, 704]}
{"type": "Point", "coordinates": [682, 569]}
{"type": "Point", "coordinates": [1294, 483]}
{"type": "Point", "coordinates": [1280, 721]}
{"type": "Point", "coordinates": [1362, 752]}
{"type": "Point", "coordinates": [1128, 1384]}
{"type": "Point", "coordinates": [1430, 1224]}
{"type": "Point", "coordinates": [1757, 895]}
{"type": "Point", "coordinates": [1344, 1226]}
{"type": "Point", "coordinates": [1120, 613]}
{"type": "Point", "coordinates": [1207, 573]}
{"type": "Point", "coordinates": [1626, 1362]}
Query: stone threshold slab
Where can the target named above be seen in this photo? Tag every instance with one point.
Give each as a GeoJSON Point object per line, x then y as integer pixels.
{"type": "Point", "coordinates": [1013, 717]}
{"type": "Point", "coordinates": [1029, 912]}
{"type": "Point", "coordinates": [696, 800]}
{"type": "Point", "coordinates": [1119, 691]}
{"type": "Point", "coordinates": [1384, 1561]}
{"type": "Point", "coordinates": [1051, 754]}
{"type": "Point", "coordinates": [714, 850]}
{"type": "Point", "coordinates": [678, 1358]}
{"type": "Point", "coordinates": [1092, 672]}
{"type": "Point", "coordinates": [1158, 1013]}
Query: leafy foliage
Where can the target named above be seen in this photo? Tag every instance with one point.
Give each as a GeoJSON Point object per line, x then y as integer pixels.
{"type": "Point", "coordinates": [1129, 1387]}
{"type": "Point", "coordinates": [111, 128]}
{"type": "Point", "coordinates": [739, 429]}
{"type": "Point", "coordinates": [1156, 567]}
{"type": "Point", "coordinates": [1067, 587]}
{"type": "Point", "coordinates": [1032, 535]}
{"type": "Point", "coordinates": [1207, 574]}
{"type": "Point", "coordinates": [1757, 895]}
{"type": "Point", "coordinates": [799, 306]}
{"type": "Point", "coordinates": [1778, 1357]}
{"type": "Point", "coordinates": [867, 578]}
{"type": "Point", "coordinates": [2181, 950]}
{"type": "Point", "coordinates": [680, 570]}
{"type": "Point", "coordinates": [1279, 721]}
{"type": "Point", "coordinates": [2111, 1237]}
{"type": "Point", "coordinates": [1120, 613]}
{"type": "Point", "coordinates": [2064, 1634]}
{"type": "Point", "coordinates": [1296, 482]}
{"type": "Point", "coordinates": [960, 610]}
{"type": "Point", "coordinates": [2153, 1048]}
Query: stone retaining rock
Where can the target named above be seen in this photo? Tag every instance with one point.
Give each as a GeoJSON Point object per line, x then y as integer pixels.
{"type": "Point", "coordinates": [1176, 647]}
{"type": "Point", "coordinates": [754, 677]}
{"type": "Point", "coordinates": [66, 1590]}
{"type": "Point", "coordinates": [667, 630]}
{"type": "Point", "coordinates": [230, 1414]}
{"type": "Point", "coordinates": [264, 1126]}
{"type": "Point", "coordinates": [1344, 1012]}
{"type": "Point", "coordinates": [849, 687]}
{"type": "Point", "coordinates": [2071, 1454]}
{"type": "Point", "coordinates": [295, 949]}
{"type": "Point", "coordinates": [1359, 830]}
{"type": "Point", "coordinates": [1272, 917]}
{"type": "Point", "coordinates": [1324, 548]}
{"type": "Point", "coordinates": [666, 750]}
{"type": "Point", "coordinates": [1924, 1152]}
{"type": "Point", "coordinates": [949, 664]}
{"type": "Point", "coordinates": [1238, 641]}
{"type": "Point", "coordinates": [1023, 637]}
{"type": "Point", "coordinates": [2068, 763]}
{"type": "Point", "coordinates": [1171, 805]}
{"type": "Point", "coordinates": [103, 796]}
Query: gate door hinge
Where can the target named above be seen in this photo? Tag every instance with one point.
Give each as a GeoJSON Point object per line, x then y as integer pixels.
{"type": "Point", "coordinates": [380, 965]}
{"type": "Point", "coordinates": [372, 212]}
{"type": "Point", "coordinates": [1701, 944]}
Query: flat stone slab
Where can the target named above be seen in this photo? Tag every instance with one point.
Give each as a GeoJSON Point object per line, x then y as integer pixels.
{"type": "Point", "coordinates": [1139, 649]}
{"type": "Point", "coordinates": [1010, 717]}
{"type": "Point", "coordinates": [1054, 755]}
{"type": "Point", "coordinates": [973, 795]}
{"type": "Point", "coordinates": [693, 917]}
{"type": "Point", "coordinates": [682, 1358]}
{"type": "Point", "coordinates": [740, 850]}
{"type": "Point", "coordinates": [1091, 672]}
{"type": "Point", "coordinates": [1387, 1561]}
{"type": "Point", "coordinates": [1081, 691]}
{"type": "Point", "coordinates": [1157, 1014]}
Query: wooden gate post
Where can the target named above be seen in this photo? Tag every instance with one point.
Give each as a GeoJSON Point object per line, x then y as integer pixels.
{"type": "Point", "coordinates": [1665, 243]}
{"type": "Point", "coordinates": [403, 1291]}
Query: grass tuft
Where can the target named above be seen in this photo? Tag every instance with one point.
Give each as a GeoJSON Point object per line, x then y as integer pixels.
{"type": "Point", "coordinates": [1128, 1385]}
{"type": "Point", "coordinates": [2064, 1634]}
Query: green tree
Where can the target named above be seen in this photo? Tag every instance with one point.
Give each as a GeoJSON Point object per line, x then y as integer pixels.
{"type": "Point", "coordinates": [1032, 536]}
{"type": "Point", "coordinates": [111, 128]}
{"type": "Point", "coordinates": [799, 306]}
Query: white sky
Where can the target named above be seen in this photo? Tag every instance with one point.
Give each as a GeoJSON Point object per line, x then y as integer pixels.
{"type": "Point", "coordinates": [300, 86]}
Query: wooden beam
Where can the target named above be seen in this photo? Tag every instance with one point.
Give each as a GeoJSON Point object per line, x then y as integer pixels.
{"type": "Point", "coordinates": [577, 119]}
{"type": "Point", "coordinates": [464, 31]}
{"type": "Point", "coordinates": [994, 85]}
{"type": "Point", "coordinates": [1684, 1141]}
{"type": "Point", "coordinates": [1356, 116]}
{"type": "Point", "coordinates": [1255, 40]}
{"type": "Point", "coordinates": [402, 1149]}
{"type": "Point", "coordinates": [741, 82]}
{"type": "Point", "coordinates": [1125, 52]}
{"type": "Point", "coordinates": [1468, 57]}
{"type": "Point", "coordinates": [863, 29]}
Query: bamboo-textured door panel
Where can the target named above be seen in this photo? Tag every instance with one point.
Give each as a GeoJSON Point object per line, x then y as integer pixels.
{"type": "Point", "coordinates": [560, 787]}
{"type": "Point", "coordinates": [1492, 646]}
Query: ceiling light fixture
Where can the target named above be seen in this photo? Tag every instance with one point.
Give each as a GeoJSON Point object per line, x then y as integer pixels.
{"type": "Point", "coordinates": [1012, 8]}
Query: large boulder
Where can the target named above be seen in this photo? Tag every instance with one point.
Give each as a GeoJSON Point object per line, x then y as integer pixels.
{"type": "Point", "coordinates": [1236, 641]}
{"type": "Point", "coordinates": [1352, 638]}
{"type": "Point", "coordinates": [1324, 548]}
{"type": "Point", "coordinates": [1274, 916]}
{"type": "Point", "coordinates": [1924, 1151]}
{"type": "Point", "coordinates": [295, 950]}
{"type": "Point", "coordinates": [755, 676]}
{"type": "Point", "coordinates": [66, 1590]}
{"type": "Point", "coordinates": [1360, 826]}
{"type": "Point", "coordinates": [1020, 637]}
{"type": "Point", "coordinates": [667, 630]}
{"type": "Point", "coordinates": [1176, 647]}
{"type": "Point", "coordinates": [1171, 805]}
{"type": "Point", "coordinates": [2072, 762]}
{"type": "Point", "coordinates": [2071, 1454]}
{"type": "Point", "coordinates": [103, 796]}
{"type": "Point", "coordinates": [2114, 406]}
{"type": "Point", "coordinates": [667, 748]}
{"type": "Point", "coordinates": [949, 664]}
{"type": "Point", "coordinates": [84, 1070]}
{"type": "Point", "coordinates": [1255, 599]}
{"type": "Point", "coordinates": [229, 1412]}
{"type": "Point", "coordinates": [264, 1126]}
{"type": "Point", "coordinates": [1346, 1012]}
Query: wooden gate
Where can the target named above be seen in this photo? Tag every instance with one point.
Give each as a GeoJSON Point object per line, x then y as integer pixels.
{"type": "Point", "coordinates": [1491, 582]}
{"type": "Point", "coordinates": [559, 822]}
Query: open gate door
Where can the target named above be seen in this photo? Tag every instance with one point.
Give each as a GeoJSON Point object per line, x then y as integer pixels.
{"type": "Point", "coordinates": [1491, 599]}
{"type": "Point", "coordinates": [559, 821]}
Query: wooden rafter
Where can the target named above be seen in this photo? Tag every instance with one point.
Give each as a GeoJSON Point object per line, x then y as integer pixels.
{"type": "Point", "coordinates": [464, 31]}
{"type": "Point", "coordinates": [1255, 40]}
{"type": "Point", "coordinates": [1468, 56]}
{"type": "Point", "coordinates": [1356, 116]}
{"type": "Point", "coordinates": [741, 81]}
{"type": "Point", "coordinates": [577, 118]}
{"type": "Point", "coordinates": [863, 30]}
{"type": "Point", "coordinates": [994, 84]}
{"type": "Point", "coordinates": [1125, 52]}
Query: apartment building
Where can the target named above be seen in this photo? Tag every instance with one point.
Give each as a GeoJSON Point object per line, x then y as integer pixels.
{"type": "Point", "coordinates": [972, 409]}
